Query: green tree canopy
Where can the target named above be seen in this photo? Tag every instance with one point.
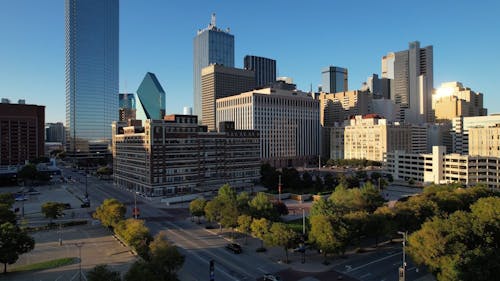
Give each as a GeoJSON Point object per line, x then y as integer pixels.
{"type": "Point", "coordinates": [280, 235]}
{"type": "Point", "coordinates": [110, 213]}
{"type": "Point", "coordinates": [329, 234]}
{"type": "Point", "coordinates": [165, 259]}
{"type": "Point", "coordinates": [244, 225]}
{"type": "Point", "coordinates": [197, 207]}
{"type": "Point", "coordinates": [101, 272]}
{"type": "Point", "coordinates": [13, 242]}
{"type": "Point", "coordinates": [463, 246]}
{"type": "Point", "coordinates": [135, 233]}
{"type": "Point", "coordinates": [28, 173]}
{"type": "Point", "coordinates": [260, 228]}
{"type": "Point", "coordinates": [52, 210]}
{"type": "Point", "coordinates": [7, 200]}
{"type": "Point", "coordinates": [262, 207]}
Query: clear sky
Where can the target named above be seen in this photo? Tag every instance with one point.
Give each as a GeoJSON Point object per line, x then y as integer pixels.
{"type": "Point", "coordinates": [302, 36]}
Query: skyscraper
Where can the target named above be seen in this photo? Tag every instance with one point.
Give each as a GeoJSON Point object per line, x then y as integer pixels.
{"type": "Point", "coordinates": [211, 46]}
{"type": "Point", "coordinates": [126, 106]}
{"type": "Point", "coordinates": [219, 82]}
{"type": "Point", "coordinates": [264, 68]}
{"type": "Point", "coordinates": [91, 74]}
{"type": "Point", "coordinates": [413, 81]}
{"type": "Point", "coordinates": [334, 79]}
{"type": "Point", "coordinates": [150, 98]}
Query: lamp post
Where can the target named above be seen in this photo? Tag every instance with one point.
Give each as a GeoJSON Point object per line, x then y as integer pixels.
{"type": "Point", "coordinates": [79, 245]}
{"type": "Point", "coordinates": [402, 269]}
{"type": "Point", "coordinates": [135, 204]}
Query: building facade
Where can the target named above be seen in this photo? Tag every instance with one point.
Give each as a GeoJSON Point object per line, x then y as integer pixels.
{"type": "Point", "coordinates": [460, 130]}
{"type": "Point", "coordinates": [126, 106]}
{"type": "Point", "coordinates": [176, 155]}
{"type": "Point", "coordinates": [211, 45]}
{"type": "Point", "coordinates": [452, 100]}
{"type": "Point", "coordinates": [91, 74]}
{"type": "Point", "coordinates": [55, 132]}
{"type": "Point", "coordinates": [441, 168]}
{"type": "Point", "coordinates": [370, 137]}
{"type": "Point", "coordinates": [22, 132]}
{"type": "Point", "coordinates": [412, 75]}
{"type": "Point", "coordinates": [218, 81]}
{"type": "Point", "coordinates": [150, 99]}
{"type": "Point", "coordinates": [334, 79]}
{"type": "Point", "coordinates": [485, 140]}
{"type": "Point", "coordinates": [288, 122]}
{"type": "Point", "coordinates": [264, 69]}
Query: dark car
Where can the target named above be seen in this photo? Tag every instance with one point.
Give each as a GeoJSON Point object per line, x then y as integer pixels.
{"type": "Point", "coordinates": [66, 206]}
{"type": "Point", "coordinates": [271, 277]}
{"type": "Point", "coordinates": [235, 248]}
{"type": "Point", "coordinates": [85, 204]}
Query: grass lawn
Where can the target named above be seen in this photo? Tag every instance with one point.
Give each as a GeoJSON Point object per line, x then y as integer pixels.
{"type": "Point", "coordinates": [296, 225]}
{"type": "Point", "coordinates": [45, 264]}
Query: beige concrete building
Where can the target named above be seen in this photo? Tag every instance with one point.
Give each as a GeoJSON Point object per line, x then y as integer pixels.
{"type": "Point", "coordinates": [335, 108]}
{"type": "Point", "coordinates": [485, 141]}
{"type": "Point", "coordinates": [460, 130]}
{"type": "Point", "coordinates": [176, 155]}
{"type": "Point", "coordinates": [370, 137]}
{"type": "Point", "coordinates": [452, 100]}
{"type": "Point", "coordinates": [439, 168]}
{"type": "Point", "coordinates": [288, 122]}
{"type": "Point", "coordinates": [218, 81]}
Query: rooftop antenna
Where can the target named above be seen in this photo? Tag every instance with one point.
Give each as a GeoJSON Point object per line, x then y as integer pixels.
{"type": "Point", "coordinates": [212, 20]}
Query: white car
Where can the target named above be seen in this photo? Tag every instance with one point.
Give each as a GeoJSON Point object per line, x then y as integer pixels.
{"type": "Point", "coordinates": [271, 277]}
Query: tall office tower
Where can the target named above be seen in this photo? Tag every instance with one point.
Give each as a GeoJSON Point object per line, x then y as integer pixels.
{"type": "Point", "coordinates": [334, 79]}
{"type": "Point", "coordinates": [452, 100]}
{"type": "Point", "coordinates": [21, 132]}
{"type": "Point", "coordinates": [91, 74]}
{"type": "Point", "coordinates": [150, 99]}
{"type": "Point", "coordinates": [379, 87]}
{"type": "Point", "coordinates": [264, 68]}
{"type": "Point", "coordinates": [126, 106]}
{"type": "Point", "coordinates": [288, 122]}
{"type": "Point", "coordinates": [54, 132]}
{"type": "Point", "coordinates": [218, 81]}
{"type": "Point", "coordinates": [212, 45]}
{"type": "Point", "coordinates": [413, 81]}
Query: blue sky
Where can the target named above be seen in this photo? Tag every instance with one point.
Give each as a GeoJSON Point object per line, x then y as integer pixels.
{"type": "Point", "coordinates": [303, 36]}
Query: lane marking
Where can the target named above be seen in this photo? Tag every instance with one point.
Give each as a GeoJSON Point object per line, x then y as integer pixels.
{"type": "Point", "coordinates": [372, 262]}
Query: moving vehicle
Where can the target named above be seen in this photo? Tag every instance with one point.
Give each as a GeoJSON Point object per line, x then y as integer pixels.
{"type": "Point", "coordinates": [271, 277]}
{"type": "Point", "coordinates": [235, 248]}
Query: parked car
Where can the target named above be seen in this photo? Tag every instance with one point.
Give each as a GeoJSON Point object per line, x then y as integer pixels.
{"type": "Point", "coordinates": [271, 277]}
{"type": "Point", "coordinates": [235, 248]}
{"type": "Point", "coordinates": [85, 205]}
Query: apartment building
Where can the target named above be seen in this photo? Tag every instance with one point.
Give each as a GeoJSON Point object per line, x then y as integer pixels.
{"type": "Point", "coordinates": [176, 155]}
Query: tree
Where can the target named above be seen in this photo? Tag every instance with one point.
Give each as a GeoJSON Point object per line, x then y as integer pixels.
{"type": "Point", "coordinates": [281, 235]}
{"type": "Point", "coordinates": [229, 215]}
{"type": "Point", "coordinates": [110, 212]}
{"type": "Point", "coordinates": [244, 225]}
{"type": "Point", "coordinates": [262, 207]}
{"type": "Point", "coordinates": [226, 194]}
{"type": "Point", "coordinates": [13, 242]}
{"type": "Point", "coordinates": [242, 200]}
{"type": "Point", "coordinates": [165, 259]}
{"type": "Point", "coordinates": [136, 234]}
{"type": "Point", "coordinates": [307, 180]}
{"type": "Point", "coordinates": [260, 228]}
{"type": "Point", "coordinates": [410, 215]}
{"type": "Point", "coordinates": [372, 197]}
{"type": "Point", "coordinates": [322, 207]}
{"type": "Point", "coordinates": [104, 171]}
{"type": "Point", "coordinates": [331, 181]}
{"type": "Point", "coordinates": [268, 176]}
{"type": "Point", "coordinates": [329, 235]}
{"type": "Point", "coordinates": [7, 200]}
{"type": "Point", "coordinates": [280, 208]}
{"type": "Point", "coordinates": [463, 246]}
{"type": "Point", "coordinates": [346, 200]}
{"type": "Point", "coordinates": [103, 273]}
{"type": "Point", "coordinates": [140, 271]}
{"type": "Point", "coordinates": [213, 210]}
{"type": "Point", "coordinates": [7, 215]}
{"type": "Point", "coordinates": [27, 173]}
{"type": "Point", "coordinates": [356, 224]}
{"type": "Point", "coordinates": [197, 207]}
{"type": "Point", "coordinates": [52, 210]}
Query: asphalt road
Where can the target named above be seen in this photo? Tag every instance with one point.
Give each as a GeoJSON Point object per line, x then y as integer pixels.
{"type": "Point", "coordinates": [197, 244]}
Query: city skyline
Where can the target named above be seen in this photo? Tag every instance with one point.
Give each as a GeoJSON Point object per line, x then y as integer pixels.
{"type": "Point", "coordinates": [296, 36]}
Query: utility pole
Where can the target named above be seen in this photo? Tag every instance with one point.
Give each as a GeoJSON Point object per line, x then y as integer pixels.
{"type": "Point", "coordinates": [80, 245]}
{"type": "Point", "coordinates": [402, 269]}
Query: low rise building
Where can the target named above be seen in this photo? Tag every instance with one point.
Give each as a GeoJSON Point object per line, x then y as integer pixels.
{"type": "Point", "coordinates": [485, 140]}
{"type": "Point", "coordinates": [176, 155]}
{"type": "Point", "coordinates": [460, 130]}
{"type": "Point", "coordinates": [440, 168]}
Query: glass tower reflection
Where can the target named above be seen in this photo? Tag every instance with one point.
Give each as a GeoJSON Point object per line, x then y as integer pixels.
{"type": "Point", "coordinates": [91, 28]}
{"type": "Point", "coordinates": [211, 45]}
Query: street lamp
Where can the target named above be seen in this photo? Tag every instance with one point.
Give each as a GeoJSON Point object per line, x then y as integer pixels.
{"type": "Point", "coordinates": [80, 245]}
{"type": "Point", "coordinates": [402, 269]}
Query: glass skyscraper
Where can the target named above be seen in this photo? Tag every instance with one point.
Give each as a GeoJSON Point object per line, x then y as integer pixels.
{"type": "Point", "coordinates": [150, 99]}
{"type": "Point", "coordinates": [211, 46]}
{"type": "Point", "coordinates": [334, 79]}
{"type": "Point", "coordinates": [91, 73]}
{"type": "Point", "coordinates": [264, 69]}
